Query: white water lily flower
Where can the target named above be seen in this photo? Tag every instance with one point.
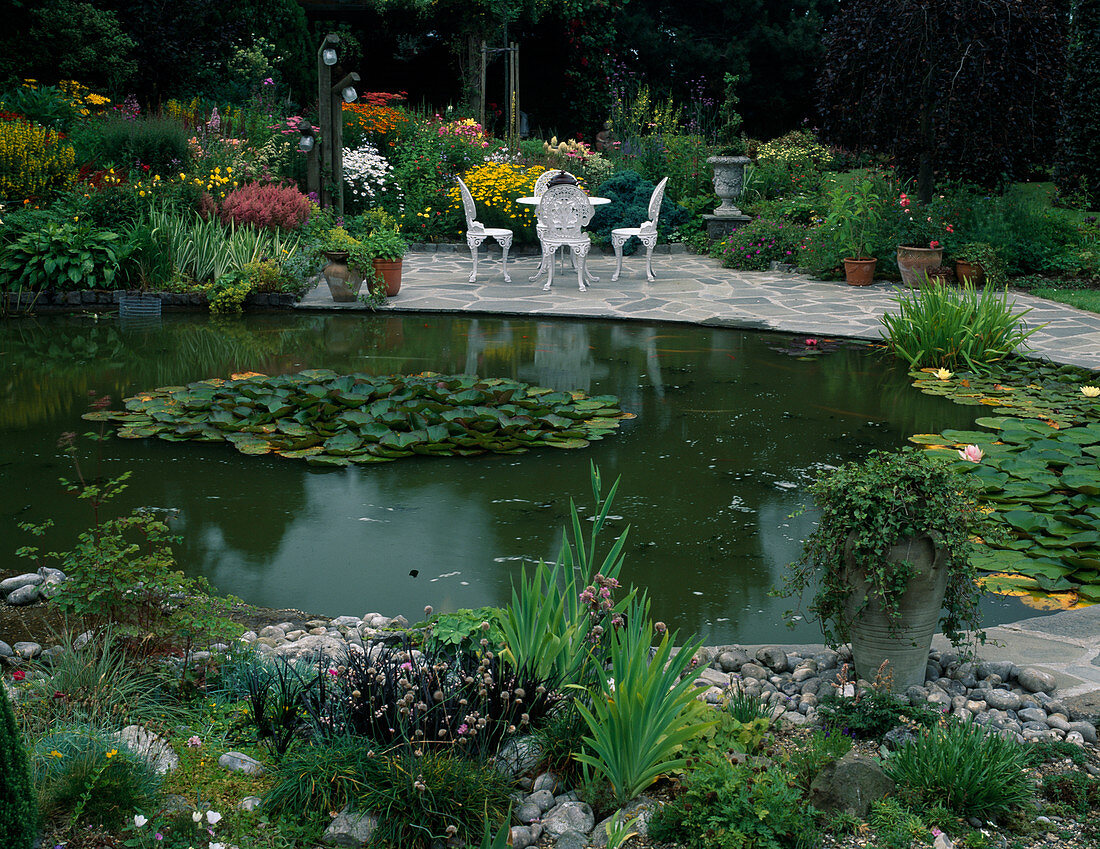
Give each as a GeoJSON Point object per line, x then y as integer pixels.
{"type": "Point", "coordinates": [1090, 391]}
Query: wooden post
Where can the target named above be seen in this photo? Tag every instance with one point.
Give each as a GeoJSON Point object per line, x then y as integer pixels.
{"type": "Point", "coordinates": [481, 85]}
{"type": "Point", "coordinates": [328, 132]}
{"type": "Point", "coordinates": [513, 101]}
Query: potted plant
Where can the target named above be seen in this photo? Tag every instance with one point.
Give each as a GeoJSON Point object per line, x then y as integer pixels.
{"type": "Point", "coordinates": [729, 158]}
{"type": "Point", "coordinates": [919, 233]}
{"type": "Point", "coordinates": [346, 255]}
{"type": "Point", "coordinates": [386, 247]}
{"type": "Point", "coordinates": [855, 213]}
{"type": "Point", "coordinates": [889, 559]}
{"type": "Point", "coordinates": [979, 262]}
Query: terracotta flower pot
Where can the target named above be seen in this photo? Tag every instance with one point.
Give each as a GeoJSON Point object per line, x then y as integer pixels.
{"type": "Point", "coordinates": [859, 272]}
{"type": "Point", "coordinates": [972, 271]}
{"type": "Point", "coordinates": [391, 275]}
{"type": "Point", "coordinates": [914, 262]}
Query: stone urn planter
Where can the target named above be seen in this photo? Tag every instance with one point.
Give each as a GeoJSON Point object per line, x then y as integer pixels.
{"type": "Point", "coordinates": [902, 644]}
{"type": "Point", "coordinates": [913, 263]}
{"type": "Point", "coordinates": [729, 179]}
{"type": "Point", "coordinates": [343, 283]}
{"type": "Point", "coordinates": [968, 270]}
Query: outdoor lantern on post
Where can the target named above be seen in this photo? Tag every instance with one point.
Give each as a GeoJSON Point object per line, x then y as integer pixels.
{"type": "Point", "coordinates": [329, 180]}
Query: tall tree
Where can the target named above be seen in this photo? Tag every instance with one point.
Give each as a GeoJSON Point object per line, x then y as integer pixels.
{"type": "Point", "coordinates": [1079, 146]}
{"type": "Point", "coordinates": [962, 87]}
{"type": "Point", "coordinates": [774, 46]}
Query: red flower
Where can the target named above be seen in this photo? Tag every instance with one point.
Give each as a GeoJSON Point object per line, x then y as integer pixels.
{"type": "Point", "coordinates": [933, 244]}
{"type": "Point", "coordinates": [18, 675]}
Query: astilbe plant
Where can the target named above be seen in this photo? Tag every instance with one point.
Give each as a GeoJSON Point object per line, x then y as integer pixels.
{"type": "Point", "coordinates": [274, 206]}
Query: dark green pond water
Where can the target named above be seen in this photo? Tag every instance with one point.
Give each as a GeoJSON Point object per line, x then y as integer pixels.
{"type": "Point", "coordinates": [728, 432]}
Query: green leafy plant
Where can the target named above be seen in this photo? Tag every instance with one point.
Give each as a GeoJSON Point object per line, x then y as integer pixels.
{"type": "Point", "coordinates": [812, 754]}
{"type": "Point", "coordinates": [855, 216]}
{"type": "Point", "coordinates": [1074, 789]}
{"type": "Point", "coordinates": [721, 736]}
{"type": "Point", "coordinates": [895, 825]}
{"type": "Point", "coordinates": [161, 143]}
{"type": "Point", "coordinates": [121, 570]}
{"type": "Point", "coordinates": [18, 811]}
{"type": "Point", "coordinates": [63, 256]}
{"type": "Point", "coordinates": [464, 629]}
{"type": "Point", "coordinates": [868, 714]}
{"type": "Point", "coordinates": [642, 712]}
{"type": "Point", "coordinates": [965, 768]}
{"type": "Point", "coordinates": [723, 806]}
{"type": "Point", "coordinates": [988, 257]}
{"type": "Point", "coordinates": [866, 507]}
{"type": "Point", "coordinates": [948, 327]}
{"type": "Point", "coordinates": [385, 243]}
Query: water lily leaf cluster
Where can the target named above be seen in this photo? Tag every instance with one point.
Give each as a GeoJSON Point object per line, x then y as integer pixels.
{"type": "Point", "coordinates": [336, 420]}
{"type": "Point", "coordinates": [1040, 470]}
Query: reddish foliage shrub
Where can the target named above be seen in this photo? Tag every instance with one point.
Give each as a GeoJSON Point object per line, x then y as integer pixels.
{"type": "Point", "coordinates": [274, 206]}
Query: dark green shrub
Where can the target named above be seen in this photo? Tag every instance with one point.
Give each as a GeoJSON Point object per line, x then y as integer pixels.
{"type": "Point", "coordinates": [965, 768]}
{"type": "Point", "coordinates": [629, 193]}
{"type": "Point", "coordinates": [109, 207]}
{"type": "Point", "coordinates": [419, 793]}
{"type": "Point", "coordinates": [160, 143]}
{"type": "Point", "coordinates": [18, 813]}
{"type": "Point", "coordinates": [83, 772]}
{"type": "Point", "coordinates": [756, 245]}
{"type": "Point", "coordinates": [871, 714]}
{"type": "Point", "coordinates": [62, 256]}
{"type": "Point", "coordinates": [313, 780]}
{"type": "Point", "coordinates": [722, 806]}
{"type": "Point", "coordinates": [1076, 790]}
{"type": "Point", "coordinates": [1079, 145]}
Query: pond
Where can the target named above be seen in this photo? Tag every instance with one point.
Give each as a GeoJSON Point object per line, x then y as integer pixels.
{"type": "Point", "coordinates": [730, 427]}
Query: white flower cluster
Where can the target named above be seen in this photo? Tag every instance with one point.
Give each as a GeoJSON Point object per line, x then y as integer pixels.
{"type": "Point", "coordinates": [367, 173]}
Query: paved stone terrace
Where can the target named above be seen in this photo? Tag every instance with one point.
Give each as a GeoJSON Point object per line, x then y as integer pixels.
{"type": "Point", "coordinates": [692, 289]}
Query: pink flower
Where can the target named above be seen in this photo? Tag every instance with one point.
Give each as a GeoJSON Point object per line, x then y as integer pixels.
{"type": "Point", "coordinates": [972, 453]}
{"type": "Point", "coordinates": [811, 342]}
{"type": "Point", "coordinates": [933, 244]}
{"type": "Point", "coordinates": [194, 742]}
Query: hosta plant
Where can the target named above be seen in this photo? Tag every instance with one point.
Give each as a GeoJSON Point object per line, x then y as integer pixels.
{"type": "Point", "coordinates": [63, 256]}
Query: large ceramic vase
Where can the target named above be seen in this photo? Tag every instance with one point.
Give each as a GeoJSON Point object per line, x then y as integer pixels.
{"type": "Point", "coordinates": [343, 283]}
{"type": "Point", "coordinates": [729, 179]}
{"type": "Point", "coordinates": [901, 644]}
{"type": "Point", "coordinates": [913, 263]}
{"type": "Point", "coordinates": [390, 272]}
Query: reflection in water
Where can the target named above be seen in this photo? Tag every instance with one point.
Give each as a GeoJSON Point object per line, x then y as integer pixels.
{"type": "Point", "coordinates": [728, 433]}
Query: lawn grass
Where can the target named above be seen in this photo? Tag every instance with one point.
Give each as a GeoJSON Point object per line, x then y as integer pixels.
{"type": "Point", "coordinates": [1083, 299]}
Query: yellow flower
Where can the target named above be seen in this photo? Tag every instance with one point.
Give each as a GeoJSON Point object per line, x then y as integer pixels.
{"type": "Point", "coordinates": [1090, 391]}
{"type": "Point", "coordinates": [55, 754]}
{"type": "Point", "coordinates": [112, 753]}
{"type": "Point", "coordinates": [944, 374]}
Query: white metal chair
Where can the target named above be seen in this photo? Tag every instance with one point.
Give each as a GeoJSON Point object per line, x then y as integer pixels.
{"type": "Point", "coordinates": [543, 179]}
{"type": "Point", "coordinates": [562, 211]}
{"type": "Point", "coordinates": [476, 232]}
{"type": "Point", "coordinates": [647, 233]}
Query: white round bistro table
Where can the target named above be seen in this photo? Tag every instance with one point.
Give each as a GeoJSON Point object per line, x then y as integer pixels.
{"type": "Point", "coordinates": [595, 201]}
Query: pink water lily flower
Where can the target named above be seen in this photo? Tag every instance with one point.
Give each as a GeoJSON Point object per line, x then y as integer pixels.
{"type": "Point", "coordinates": [972, 453]}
